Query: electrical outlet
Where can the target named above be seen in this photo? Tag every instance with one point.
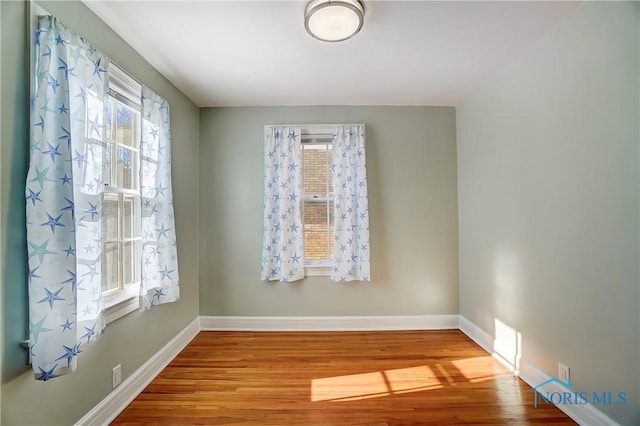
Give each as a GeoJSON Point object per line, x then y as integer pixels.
{"type": "Point", "coordinates": [116, 377]}
{"type": "Point", "coordinates": [563, 372]}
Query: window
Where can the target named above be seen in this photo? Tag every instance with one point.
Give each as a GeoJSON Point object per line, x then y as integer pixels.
{"type": "Point", "coordinates": [317, 200]}
{"type": "Point", "coordinates": [316, 214]}
{"type": "Point", "coordinates": [121, 262]}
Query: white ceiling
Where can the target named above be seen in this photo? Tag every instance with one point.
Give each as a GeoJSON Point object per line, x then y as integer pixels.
{"type": "Point", "coordinates": [254, 53]}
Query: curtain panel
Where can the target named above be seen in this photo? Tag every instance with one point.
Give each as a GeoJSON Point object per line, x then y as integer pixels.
{"type": "Point", "coordinates": [64, 198]}
{"type": "Point", "coordinates": [68, 167]}
{"type": "Point", "coordinates": [283, 238]}
{"type": "Point", "coordinates": [160, 283]}
{"type": "Point", "coordinates": [351, 206]}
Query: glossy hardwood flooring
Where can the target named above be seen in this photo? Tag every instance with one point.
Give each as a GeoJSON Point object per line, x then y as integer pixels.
{"type": "Point", "coordinates": [337, 378]}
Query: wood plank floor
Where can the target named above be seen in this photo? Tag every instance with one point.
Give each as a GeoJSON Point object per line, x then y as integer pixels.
{"type": "Point", "coordinates": [337, 378]}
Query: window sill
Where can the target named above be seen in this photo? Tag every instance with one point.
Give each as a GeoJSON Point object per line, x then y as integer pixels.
{"type": "Point", "coordinates": [121, 303]}
{"type": "Point", "coordinates": [317, 271]}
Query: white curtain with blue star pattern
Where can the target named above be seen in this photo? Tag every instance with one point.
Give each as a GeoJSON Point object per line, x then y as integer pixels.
{"type": "Point", "coordinates": [283, 239]}
{"type": "Point", "coordinates": [160, 282]}
{"type": "Point", "coordinates": [351, 206]}
{"type": "Point", "coordinates": [64, 198]}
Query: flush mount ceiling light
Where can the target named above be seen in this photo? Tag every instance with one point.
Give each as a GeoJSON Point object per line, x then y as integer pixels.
{"type": "Point", "coordinates": [333, 20]}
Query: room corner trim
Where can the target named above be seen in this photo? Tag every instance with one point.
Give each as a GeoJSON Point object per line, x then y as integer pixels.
{"type": "Point", "coordinates": [109, 408]}
{"type": "Point", "coordinates": [586, 414]}
{"type": "Point", "coordinates": [369, 323]}
{"type": "Point", "coordinates": [478, 335]}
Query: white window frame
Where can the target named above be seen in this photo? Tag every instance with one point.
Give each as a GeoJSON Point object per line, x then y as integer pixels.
{"type": "Point", "coordinates": [317, 135]}
{"type": "Point", "coordinates": [125, 90]}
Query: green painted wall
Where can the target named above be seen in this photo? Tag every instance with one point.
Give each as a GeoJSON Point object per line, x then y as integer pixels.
{"type": "Point", "coordinates": [13, 158]}
{"type": "Point", "coordinates": [411, 166]}
{"type": "Point", "coordinates": [548, 161]}
{"type": "Point", "coordinates": [133, 339]}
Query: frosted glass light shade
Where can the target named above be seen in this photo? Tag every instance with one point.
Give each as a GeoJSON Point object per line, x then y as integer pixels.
{"type": "Point", "coordinates": [333, 20]}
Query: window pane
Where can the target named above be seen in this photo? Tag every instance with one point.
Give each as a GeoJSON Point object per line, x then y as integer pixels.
{"type": "Point", "coordinates": [328, 173]}
{"type": "Point", "coordinates": [131, 262]}
{"type": "Point", "coordinates": [332, 241]}
{"type": "Point", "coordinates": [316, 244]}
{"type": "Point", "coordinates": [130, 217]}
{"type": "Point", "coordinates": [106, 170]}
{"type": "Point", "coordinates": [110, 216]}
{"type": "Point", "coordinates": [315, 216]}
{"type": "Point", "coordinates": [315, 170]}
{"type": "Point", "coordinates": [126, 167]}
{"type": "Point", "coordinates": [125, 130]}
{"type": "Point", "coordinates": [109, 119]}
{"type": "Point", "coordinates": [331, 214]}
{"type": "Point", "coordinates": [318, 205]}
{"type": "Point", "coordinates": [110, 266]}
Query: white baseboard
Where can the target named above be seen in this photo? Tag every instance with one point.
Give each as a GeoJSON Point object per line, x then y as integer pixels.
{"type": "Point", "coordinates": [586, 414]}
{"type": "Point", "coordinates": [475, 333]}
{"type": "Point", "coordinates": [109, 408]}
{"type": "Point", "coordinates": [371, 323]}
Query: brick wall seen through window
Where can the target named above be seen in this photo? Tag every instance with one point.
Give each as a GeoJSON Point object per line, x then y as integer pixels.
{"type": "Point", "coordinates": [318, 202]}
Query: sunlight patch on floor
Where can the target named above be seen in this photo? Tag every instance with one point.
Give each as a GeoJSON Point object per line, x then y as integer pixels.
{"type": "Point", "coordinates": [412, 379]}
{"type": "Point", "coordinates": [374, 385]}
{"type": "Point", "coordinates": [475, 369]}
{"type": "Point", "coordinates": [349, 388]}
